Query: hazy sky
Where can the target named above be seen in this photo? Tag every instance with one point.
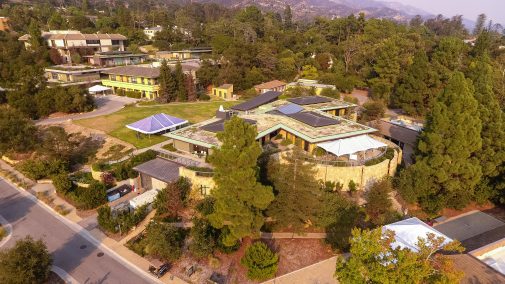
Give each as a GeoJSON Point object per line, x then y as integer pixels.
{"type": "Point", "coordinates": [494, 9]}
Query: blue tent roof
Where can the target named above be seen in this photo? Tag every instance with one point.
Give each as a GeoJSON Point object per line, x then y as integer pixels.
{"type": "Point", "coordinates": [156, 123]}
{"type": "Point", "coordinates": [289, 109]}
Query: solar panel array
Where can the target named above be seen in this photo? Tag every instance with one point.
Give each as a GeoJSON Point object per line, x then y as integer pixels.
{"type": "Point", "coordinates": [289, 109]}
{"type": "Point", "coordinates": [309, 100]}
{"type": "Point", "coordinates": [314, 119]}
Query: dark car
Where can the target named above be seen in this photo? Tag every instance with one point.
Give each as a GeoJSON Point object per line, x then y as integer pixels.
{"type": "Point", "coordinates": [159, 271]}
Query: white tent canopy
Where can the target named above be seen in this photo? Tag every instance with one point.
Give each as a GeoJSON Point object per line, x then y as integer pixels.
{"type": "Point", "coordinates": [98, 88]}
{"type": "Point", "coordinates": [407, 233]}
{"type": "Point", "coordinates": [351, 145]}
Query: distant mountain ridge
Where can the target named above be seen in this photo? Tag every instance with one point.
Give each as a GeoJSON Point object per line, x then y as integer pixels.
{"type": "Point", "coordinates": [303, 9]}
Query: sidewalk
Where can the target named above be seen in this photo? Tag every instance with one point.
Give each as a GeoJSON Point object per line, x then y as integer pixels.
{"type": "Point", "coordinates": [115, 246]}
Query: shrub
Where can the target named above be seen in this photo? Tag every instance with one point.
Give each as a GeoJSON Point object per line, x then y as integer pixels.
{"type": "Point", "coordinates": [373, 110]}
{"type": "Point", "coordinates": [91, 197]}
{"type": "Point", "coordinates": [286, 142]}
{"type": "Point", "coordinates": [206, 206]}
{"type": "Point", "coordinates": [62, 183]}
{"type": "Point", "coordinates": [107, 179]}
{"type": "Point", "coordinates": [331, 93]}
{"type": "Point", "coordinates": [133, 94]}
{"type": "Point", "coordinates": [204, 97]}
{"type": "Point", "coordinates": [123, 221]}
{"type": "Point", "coordinates": [318, 152]}
{"type": "Point", "coordinates": [38, 169]}
{"type": "Point", "coordinates": [351, 99]}
{"type": "Point", "coordinates": [260, 261]}
{"type": "Point", "coordinates": [390, 154]}
{"type": "Point", "coordinates": [170, 147]}
{"type": "Point", "coordinates": [352, 186]}
{"type": "Point", "coordinates": [100, 167]}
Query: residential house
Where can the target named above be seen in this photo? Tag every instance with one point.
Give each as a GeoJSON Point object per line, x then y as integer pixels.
{"type": "Point", "coordinates": [151, 32]}
{"type": "Point", "coordinates": [310, 84]}
{"type": "Point", "coordinates": [224, 91]}
{"type": "Point", "coordinates": [185, 54]}
{"type": "Point", "coordinates": [341, 149]}
{"type": "Point", "coordinates": [72, 75]}
{"type": "Point", "coordinates": [69, 42]}
{"type": "Point", "coordinates": [115, 58]}
{"type": "Point", "coordinates": [4, 24]}
{"type": "Point", "coordinates": [275, 85]}
{"type": "Point", "coordinates": [140, 79]}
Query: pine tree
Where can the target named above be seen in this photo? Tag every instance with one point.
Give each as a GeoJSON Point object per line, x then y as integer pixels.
{"type": "Point", "coordinates": [288, 17]}
{"type": "Point", "coordinates": [492, 154]}
{"type": "Point", "coordinates": [446, 170]}
{"type": "Point", "coordinates": [387, 69]}
{"type": "Point", "coordinates": [240, 199]}
{"type": "Point", "coordinates": [189, 83]}
{"type": "Point", "coordinates": [180, 80]}
{"type": "Point", "coordinates": [298, 192]}
{"type": "Point", "coordinates": [163, 92]}
{"type": "Point", "coordinates": [480, 23]}
{"type": "Point", "coordinates": [415, 92]}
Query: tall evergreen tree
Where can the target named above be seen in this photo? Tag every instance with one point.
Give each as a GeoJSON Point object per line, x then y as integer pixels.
{"type": "Point", "coordinates": [189, 84]}
{"type": "Point", "coordinates": [492, 154]}
{"type": "Point", "coordinates": [182, 94]}
{"type": "Point", "coordinates": [415, 92]}
{"type": "Point", "coordinates": [240, 198]}
{"type": "Point", "coordinates": [298, 192]}
{"type": "Point", "coordinates": [446, 170]}
{"type": "Point", "coordinates": [448, 56]}
{"type": "Point", "coordinates": [480, 24]}
{"type": "Point", "coordinates": [386, 69]}
{"type": "Point", "coordinates": [168, 84]}
{"type": "Point", "coordinates": [288, 17]}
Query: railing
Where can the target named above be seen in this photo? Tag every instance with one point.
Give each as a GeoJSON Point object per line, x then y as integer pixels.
{"type": "Point", "coordinates": [339, 163]}
{"type": "Point", "coordinates": [178, 159]}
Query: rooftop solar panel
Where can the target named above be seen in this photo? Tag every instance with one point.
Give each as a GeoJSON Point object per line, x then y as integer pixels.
{"type": "Point", "coordinates": [309, 100]}
{"type": "Point", "coordinates": [257, 101]}
{"type": "Point", "coordinates": [218, 126]}
{"type": "Point", "coordinates": [314, 119]}
{"type": "Point", "coordinates": [289, 109]}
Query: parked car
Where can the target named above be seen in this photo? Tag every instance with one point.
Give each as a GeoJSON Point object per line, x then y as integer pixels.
{"type": "Point", "coordinates": [160, 270]}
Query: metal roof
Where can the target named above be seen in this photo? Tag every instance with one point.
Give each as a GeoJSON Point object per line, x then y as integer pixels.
{"type": "Point", "coordinates": [314, 119]}
{"type": "Point", "coordinates": [309, 100]}
{"type": "Point", "coordinates": [257, 101]}
{"type": "Point", "coordinates": [160, 169]}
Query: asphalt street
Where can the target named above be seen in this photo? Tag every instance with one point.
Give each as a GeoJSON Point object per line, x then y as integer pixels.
{"type": "Point", "coordinates": [72, 252]}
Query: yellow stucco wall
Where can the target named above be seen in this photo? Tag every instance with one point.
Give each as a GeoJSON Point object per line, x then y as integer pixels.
{"type": "Point", "coordinates": [197, 182]}
{"type": "Point", "coordinates": [158, 184]}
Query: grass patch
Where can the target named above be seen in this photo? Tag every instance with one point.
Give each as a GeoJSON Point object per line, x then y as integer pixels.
{"type": "Point", "coordinates": [114, 124]}
{"type": "Point", "coordinates": [170, 147]}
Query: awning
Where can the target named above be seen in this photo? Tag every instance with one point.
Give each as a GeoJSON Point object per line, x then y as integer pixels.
{"type": "Point", "coordinates": [351, 145]}
{"type": "Point", "coordinates": [98, 88]}
{"type": "Point", "coordinates": [157, 123]}
{"type": "Point", "coordinates": [407, 233]}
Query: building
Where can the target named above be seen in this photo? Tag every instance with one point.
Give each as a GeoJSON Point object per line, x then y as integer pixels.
{"type": "Point", "coordinates": [310, 84]}
{"type": "Point", "coordinates": [4, 24]}
{"type": "Point", "coordinates": [139, 79]}
{"type": "Point", "coordinates": [69, 42]}
{"type": "Point", "coordinates": [115, 58]}
{"type": "Point", "coordinates": [402, 131]}
{"type": "Point", "coordinates": [151, 32]}
{"type": "Point", "coordinates": [185, 54]}
{"type": "Point", "coordinates": [224, 91]}
{"type": "Point", "coordinates": [310, 124]}
{"type": "Point", "coordinates": [72, 75]}
{"type": "Point", "coordinates": [275, 85]}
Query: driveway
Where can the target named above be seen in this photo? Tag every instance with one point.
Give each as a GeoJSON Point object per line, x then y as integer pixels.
{"type": "Point", "coordinates": [105, 105]}
{"type": "Point", "coordinates": [72, 251]}
{"type": "Point", "coordinates": [466, 226]}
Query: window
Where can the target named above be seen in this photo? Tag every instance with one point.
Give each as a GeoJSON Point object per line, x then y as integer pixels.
{"type": "Point", "coordinates": [92, 41]}
{"type": "Point", "coordinates": [134, 80]}
{"type": "Point", "coordinates": [116, 42]}
{"type": "Point", "coordinates": [54, 76]}
{"type": "Point", "coordinates": [204, 190]}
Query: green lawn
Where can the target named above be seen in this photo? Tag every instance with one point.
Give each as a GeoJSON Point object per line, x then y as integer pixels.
{"type": "Point", "coordinates": [114, 124]}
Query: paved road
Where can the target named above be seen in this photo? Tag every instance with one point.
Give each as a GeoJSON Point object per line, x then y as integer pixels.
{"type": "Point", "coordinates": [105, 105]}
{"type": "Point", "coordinates": [83, 260]}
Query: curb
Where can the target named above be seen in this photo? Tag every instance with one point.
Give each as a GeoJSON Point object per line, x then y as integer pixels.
{"type": "Point", "coordinates": [84, 233]}
{"type": "Point", "coordinates": [64, 275]}
{"type": "Point", "coordinates": [8, 227]}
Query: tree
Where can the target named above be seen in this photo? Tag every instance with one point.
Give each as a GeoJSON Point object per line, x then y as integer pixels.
{"type": "Point", "coordinates": [387, 69]}
{"type": "Point", "coordinates": [62, 183]}
{"type": "Point", "coordinates": [378, 202]}
{"type": "Point", "coordinates": [164, 241]}
{"type": "Point", "coordinates": [240, 199]}
{"type": "Point", "coordinates": [492, 153]}
{"type": "Point", "coordinates": [479, 24]}
{"type": "Point", "coordinates": [288, 17]}
{"type": "Point", "coordinates": [169, 202]}
{"type": "Point", "coordinates": [374, 260]}
{"type": "Point", "coordinates": [204, 238]}
{"type": "Point", "coordinates": [446, 171]}
{"type": "Point", "coordinates": [297, 200]}
{"type": "Point", "coordinates": [189, 85]}
{"type": "Point", "coordinates": [373, 110]}
{"type": "Point", "coordinates": [260, 261]}
{"type": "Point", "coordinates": [416, 88]}
{"type": "Point", "coordinates": [17, 133]}
{"type": "Point", "coordinates": [93, 196]}
{"type": "Point", "coordinates": [168, 84]}
{"type": "Point", "coordinates": [309, 72]}
{"type": "Point", "coordinates": [182, 94]}
{"type": "Point", "coordinates": [27, 262]}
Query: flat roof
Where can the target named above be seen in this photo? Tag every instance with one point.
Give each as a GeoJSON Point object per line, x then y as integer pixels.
{"type": "Point", "coordinates": [160, 169]}
{"type": "Point", "coordinates": [314, 119]}
{"type": "Point", "coordinates": [148, 72]}
{"type": "Point", "coordinates": [218, 126]}
{"type": "Point", "coordinates": [257, 101]}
